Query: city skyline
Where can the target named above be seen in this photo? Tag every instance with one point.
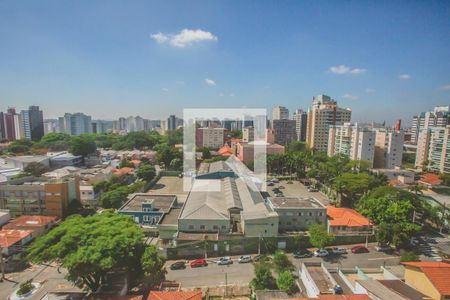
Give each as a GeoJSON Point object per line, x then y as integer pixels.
{"type": "Point", "coordinates": [182, 53]}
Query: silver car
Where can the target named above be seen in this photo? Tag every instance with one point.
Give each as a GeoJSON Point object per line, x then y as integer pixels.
{"type": "Point", "coordinates": [245, 259]}
{"type": "Point", "coordinates": [226, 260]}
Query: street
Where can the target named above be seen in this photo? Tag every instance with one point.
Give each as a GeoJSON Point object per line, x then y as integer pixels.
{"type": "Point", "coordinates": [242, 274]}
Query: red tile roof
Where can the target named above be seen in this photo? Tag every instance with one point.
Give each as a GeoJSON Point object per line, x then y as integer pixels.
{"type": "Point", "coordinates": [124, 170]}
{"type": "Point", "coordinates": [30, 221]}
{"type": "Point", "coordinates": [135, 161]}
{"type": "Point", "coordinates": [226, 151]}
{"type": "Point", "coordinates": [339, 216]}
{"type": "Point", "coordinates": [9, 237]}
{"type": "Point", "coordinates": [437, 272]}
{"type": "Point", "coordinates": [112, 297]}
{"type": "Point", "coordinates": [431, 179]}
{"type": "Point", "coordinates": [191, 295]}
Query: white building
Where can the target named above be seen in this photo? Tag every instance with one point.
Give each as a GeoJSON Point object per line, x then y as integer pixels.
{"type": "Point", "coordinates": [301, 122]}
{"type": "Point", "coordinates": [213, 138]}
{"type": "Point", "coordinates": [353, 140]}
{"type": "Point", "coordinates": [388, 148]}
{"type": "Point", "coordinates": [439, 117]}
{"type": "Point", "coordinates": [280, 113]}
{"type": "Point", "coordinates": [433, 149]}
{"type": "Point", "coordinates": [76, 124]}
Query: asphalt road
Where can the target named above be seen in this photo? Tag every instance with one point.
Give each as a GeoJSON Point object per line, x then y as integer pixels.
{"type": "Point", "coordinates": [242, 274]}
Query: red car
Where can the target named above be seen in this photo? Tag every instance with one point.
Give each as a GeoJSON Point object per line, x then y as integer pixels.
{"type": "Point", "coordinates": [360, 249]}
{"type": "Point", "coordinates": [198, 263]}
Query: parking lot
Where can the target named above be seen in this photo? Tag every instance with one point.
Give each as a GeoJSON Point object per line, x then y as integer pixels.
{"type": "Point", "coordinates": [242, 274]}
{"type": "Point", "coordinates": [296, 189]}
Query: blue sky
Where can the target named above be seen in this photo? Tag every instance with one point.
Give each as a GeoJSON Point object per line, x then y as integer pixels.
{"type": "Point", "coordinates": [120, 58]}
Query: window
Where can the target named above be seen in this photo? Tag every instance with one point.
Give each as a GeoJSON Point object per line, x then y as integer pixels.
{"type": "Point", "coordinates": [215, 227]}
{"type": "Point", "coordinates": [320, 214]}
{"type": "Point", "coordinates": [202, 227]}
{"type": "Point", "coordinates": [310, 214]}
{"type": "Point", "coordinates": [191, 227]}
{"type": "Point", "coordinates": [224, 227]}
{"type": "Point", "coordinates": [289, 213]}
{"type": "Point", "coordinates": [299, 214]}
{"type": "Point", "coordinates": [146, 218]}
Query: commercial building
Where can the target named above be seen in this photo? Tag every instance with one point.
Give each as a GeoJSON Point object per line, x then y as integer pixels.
{"type": "Point", "coordinates": [324, 113]}
{"type": "Point", "coordinates": [298, 213]}
{"type": "Point", "coordinates": [227, 206]}
{"type": "Point", "coordinates": [439, 117]}
{"type": "Point", "coordinates": [245, 152]}
{"type": "Point", "coordinates": [76, 124]}
{"type": "Point", "coordinates": [346, 221]}
{"type": "Point", "coordinates": [285, 131]}
{"type": "Point", "coordinates": [388, 148]}
{"type": "Point", "coordinates": [353, 140]}
{"type": "Point", "coordinates": [30, 196]}
{"type": "Point", "coordinates": [301, 123]}
{"type": "Point", "coordinates": [433, 149]}
{"type": "Point", "coordinates": [212, 138]}
{"type": "Point", "coordinates": [429, 278]}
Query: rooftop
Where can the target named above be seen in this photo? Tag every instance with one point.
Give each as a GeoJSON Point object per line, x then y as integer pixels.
{"type": "Point", "coordinates": [431, 179]}
{"type": "Point", "coordinates": [340, 216]}
{"type": "Point", "coordinates": [437, 272]}
{"type": "Point", "coordinates": [171, 218]}
{"type": "Point", "coordinates": [28, 158]}
{"type": "Point", "coordinates": [295, 202]}
{"type": "Point", "coordinates": [320, 277]}
{"type": "Point", "coordinates": [9, 237]}
{"type": "Point", "coordinates": [379, 290]}
{"type": "Point", "coordinates": [161, 203]}
{"type": "Point", "coordinates": [178, 295]}
{"type": "Point", "coordinates": [124, 170]}
{"type": "Point", "coordinates": [403, 289]}
{"type": "Point", "coordinates": [30, 221]}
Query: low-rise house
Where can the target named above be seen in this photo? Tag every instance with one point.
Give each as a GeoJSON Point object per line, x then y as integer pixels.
{"type": "Point", "coordinates": [245, 152]}
{"type": "Point", "coordinates": [175, 295]}
{"type": "Point", "coordinates": [316, 279]}
{"type": "Point", "coordinates": [347, 221]}
{"type": "Point", "coordinates": [13, 241]}
{"type": "Point", "coordinates": [430, 278]}
{"type": "Point", "coordinates": [37, 224]}
{"type": "Point", "coordinates": [298, 213]}
{"type": "Point", "coordinates": [148, 210]}
{"type": "Point", "coordinates": [88, 195]}
{"type": "Point", "coordinates": [387, 290]}
{"type": "Point", "coordinates": [123, 171]}
{"type": "Point", "coordinates": [430, 180]}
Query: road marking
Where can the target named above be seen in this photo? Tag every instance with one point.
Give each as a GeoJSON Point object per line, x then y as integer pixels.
{"type": "Point", "coordinates": [383, 258]}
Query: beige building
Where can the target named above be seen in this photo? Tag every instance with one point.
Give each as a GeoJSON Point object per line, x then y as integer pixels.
{"type": "Point", "coordinates": [280, 113]}
{"type": "Point", "coordinates": [323, 114]}
{"type": "Point", "coordinates": [433, 149]}
{"type": "Point", "coordinates": [353, 140]}
{"type": "Point", "coordinates": [245, 152]}
{"type": "Point", "coordinates": [213, 138]}
{"type": "Point", "coordinates": [388, 148]}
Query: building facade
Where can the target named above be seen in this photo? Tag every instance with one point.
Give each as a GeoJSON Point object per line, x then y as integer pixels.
{"type": "Point", "coordinates": [433, 149]}
{"type": "Point", "coordinates": [324, 113]}
{"type": "Point", "coordinates": [280, 113]}
{"type": "Point", "coordinates": [439, 117]}
{"type": "Point", "coordinates": [388, 148]}
{"type": "Point", "coordinates": [76, 124]}
{"type": "Point", "coordinates": [213, 138]}
{"type": "Point", "coordinates": [285, 131]}
{"type": "Point", "coordinates": [301, 123]}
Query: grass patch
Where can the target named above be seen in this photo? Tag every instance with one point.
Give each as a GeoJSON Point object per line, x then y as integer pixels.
{"type": "Point", "coordinates": [443, 191]}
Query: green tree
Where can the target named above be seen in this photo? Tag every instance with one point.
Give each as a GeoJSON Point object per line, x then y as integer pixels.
{"type": "Point", "coordinates": [409, 256]}
{"type": "Point", "coordinates": [235, 134]}
{"type": "Point", "coordinates": [114, 198]}
{"type": "Point", "coordinates": [82, 145]}
{"type": "Point", "coordinates": [286, 282]}
{"type": "Point", "coordinates": [206, 154]}
{"type": "Point", "coordinates": [94, 246]}
{"type": "Point", "coordinates": [35, 169]}
{"type": "Point", "coordinates": [416, 188]}
{"type": "Point", "coordinates": [351, 186]}
{"type": "Point", "coordinates": [263, 279]}
{"type": "Point", "coordinates": [281, 262]}
{"type": "Point", "coordinates": [20, 146]}
{"type": "Point", "coordinates": [153, 267]}
{"type": "Point", "coordinates": [319, 237]}
{"type": "Point", "coordinates": [126, 163]}
{"type": "Point", "coordinates": [146, 172]}
{"type": "Point", "coordinates": [54, 141]}
{"type": "Point", "coordinates": [445, 179]}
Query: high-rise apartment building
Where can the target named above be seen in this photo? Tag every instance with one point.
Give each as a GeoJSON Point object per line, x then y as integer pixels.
{"type": "Point", "coordinates": [51, 125]}
{"type": "Point", "coordinates": [433, 149]}
{"type": "Point", "coordinates": [284, 131]}
{"type": "Point", "coordinates": [13, 125]}
{"type": "Point", "coordinates": [280, 113]}
{"type": "Point", "coordinates": [248, 134]}
{"type": "Point", "coordinates": [353, 140]}
{"type": "Point", "coordinates": [324, 113]}
{"type": "Point", "coordinates": [75, 124]}
{"type": "Point", "coordinates": [212, 138]}
{"type": "Point", "coordinates": [439, 117]}
{"type": "Point", "coordinates": [33, 123]}
{"type": "Point", "coordinates": [388, 148]}
{"type": "Point", "coordinates": [172, 122]}
{"type": "Point", "coordinates": [301, 122]}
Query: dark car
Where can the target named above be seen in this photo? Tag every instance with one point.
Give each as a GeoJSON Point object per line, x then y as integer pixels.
{"type": "Point", "coordinates": [338, 289]}
{"type": "Point", "coordinates": [179, 265]}
{"type": "Point", "coordinates": [303, 254]}
{"type": "Point", "coordinates": [360, 249]}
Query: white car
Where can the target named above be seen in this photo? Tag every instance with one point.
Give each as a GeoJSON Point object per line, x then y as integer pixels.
{"type": "Point", "coordinates": [245, 259]}
{"type": "Point", "coordinates": [320, 253]}
{"type": "Point", "coordinates": [339, 251]}
{"type": "Point", "coordinates": [226, 260]}
{"type": "Point", "coordinates": [380, 248]}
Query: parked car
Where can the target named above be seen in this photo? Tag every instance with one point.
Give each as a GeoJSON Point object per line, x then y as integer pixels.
{"type": "Point", "coordinates": [281, 187]}
{"type": "Point", "coordinates": [302, 254]}
{"type": "Point", "coordinates": [270, 184]}
{"type": "Point", "coordinates": [312, 189]}
{"type": "Point", "coordinates": [336, 250]}
{"type": "Point", "coordinates": [338, 289]}
{"type": "Point", "coordinates": [360, 249]}
{"type": "Point", "coordinates": [245, 259]}
{"type": "Point", "coordinates": [382, 248]}
{"type": "Point", "coordinates": [179, 265]}
{"type": "Point", "coordinates": [226, 260]}
{"type": "Point", "coordinates": [279, 195]}
{"type": "Point", "coordinates": [198, 263]}
{"type": "Point", "coordinates": [320, 253]}
{"type": "Point", "coordinates": [274, 180]}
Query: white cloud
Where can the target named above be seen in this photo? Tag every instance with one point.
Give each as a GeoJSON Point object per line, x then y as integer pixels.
{"type": "Point", "coordinates": [185, 37]}
{"type": "Point", "coordinates": [445, 87]}
{"type": "Point", "coordinates": [210, 82]}
{"type": "Point", "coordinates": [165, 89]}
{"type": "Point", "coordinates": [343, 69]}
{"type": "Point", "coordinates": [370, 90]}
{"type": "Point", "coordinates": [404, 77]}
{"type": "Point", "coordinates": [221, 94]}
{"type": "Point", "coordinates": [350, 97]}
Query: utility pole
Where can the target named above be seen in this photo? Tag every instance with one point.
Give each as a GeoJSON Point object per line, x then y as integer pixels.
{"type": "Point", "coordinates": [226, 284]}
{"type": "Point", "coordinates": [259, 244]}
